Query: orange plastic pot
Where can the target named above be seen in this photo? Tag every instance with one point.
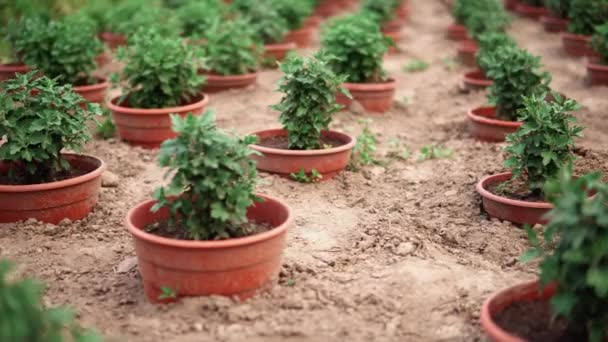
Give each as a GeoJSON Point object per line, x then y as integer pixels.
{"type": "Point", "coordinates": [148, 128]}
{"type": "Point", "coordinates": [457, 32]}
{"type": "Point", "coordinates": [113, 40]}
{"type": "Point", "coordinates": [577, 45]}
{"type": "Point", "coordinates": [94, 93]}
{"type": "Point", "coordinates": [278, 51]}
{"type": "Point", "coordinates": [373, 97]}
{"type": "Point", "coordinates": [597, 74]}
{"type": "Point", "coordinates": [532, 12]}
{"type": "Point", "coordinates": [8, 71]}
{"type": "Point", "coordinates": [554, 24]}
{"type": "Point", "coordinates": [476, 80]}
{"type": "Point", "coordinates": [516, 211]}
{"type": "Point", "coordinates": [238, 267]}
{"type": "Point", "coordinates": [485, 126]}
{"type": "Point", "coordinates": [52, 202]}
{"type": "Point", "coordinates": [328, 162]}
{"type": "Point", "coordinates": [217, 83]}
{"type": "Point", "coordinates": [466, 52]}
{"type": "Point", "coordinates": [501, 300]}
{"type": "Point", "coordinates": [301, 37]}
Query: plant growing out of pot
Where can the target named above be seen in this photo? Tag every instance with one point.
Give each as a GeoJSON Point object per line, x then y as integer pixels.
{"type": "Point", "coordinates": [598, 71]}
{"type": "Point", "coordinates": [481, 21]}
{"type": "Point", "coordinates": [270, 28]}
{"type": "Point", "coordinates": [37, 180]}
{"type": "Point", "coordinates": [25, 318]}
{"type": "Point", "coordinates": [488, 43]}
{"type": "Point", "coordinates": [584, 16]}
{"type": "Point", "coordinates": [556, 20]}
{"type": "Point", "coordinates": [197, 16]}
{"type": "Point", "coordinates": [160, 78]}
{"type": "Point", "coordinates": [231, 56]}
{"type": "Point", "coordinates": [359, 47]}
{"type": "Point", "coordinates": [531, 8]}
{"type": "Point", "coordinates": [207, 232]}
{"type": "Point", "coordinates": [66, 50]}
{"type": "Point", "coordinates": [461, 11]}
{"type": "Point", "coordinates": [295, 13]}
{"type": "Point", "coordinates": [537, 151]}
{"type": "Point", "coordinates": [384, 12]}
{"type": "Point", "coordinates": [568, 301]}
{"type": "Point", "coordinates": [305, 142]}
{"type": "Point", "coordinates": [16, 35]}
{"type": "Point", "coordinates": [515, 73]}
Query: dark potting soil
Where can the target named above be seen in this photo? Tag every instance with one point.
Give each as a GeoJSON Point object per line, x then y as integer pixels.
{"type": "Point", "coordinates": [516, 189]}
{"type": "Point", "coordinates": [22, 180]}
{"type": "Point", "coordinates": [178, 232]}
{"type": "Point", "coordinates": [534, 322]}
{"type": "Point", "coordinates": [281, 142]}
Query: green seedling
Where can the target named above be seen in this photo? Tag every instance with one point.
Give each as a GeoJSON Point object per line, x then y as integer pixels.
{"type": "Point", "coordinates": [430, 152]}
{"type": "Point", "coordinates": [416, 66]}
{"type": "Point", "coordinates": [302, 177]}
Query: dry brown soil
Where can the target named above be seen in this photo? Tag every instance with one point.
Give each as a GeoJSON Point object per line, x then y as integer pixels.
{"type": "Point", "coordinates": [395, 253]}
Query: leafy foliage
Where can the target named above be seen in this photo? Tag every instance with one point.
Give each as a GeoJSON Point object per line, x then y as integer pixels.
{"type": "Point", "coordinates": [366, 146]}
{"type": "Point", "coordinates": [160, 72]}
{"type": "Point", "coordinates": [268, 24]}
{"type": "Point", "coordinates": [463, 9]}
{"type": "Point", "coordinates": [381, 10]}
{"type": "Point", "coordinates": [309, 102]}
{"type": "Point", "coordinates": [130, 16]}
{"type": "Point", "coordinates": [25, 319]}
{"type": "Point", "coordinates": [537, 3]}
{"type": "Point", "coordinates": [600, 42]}
{"type": "Point", "coordinates": [230, 48]}
{"type": "Point", "coordinates": [558, 8]}
{"type": "Point", "coordinates": [358, 46]}
{"type": "Point", "coordinates": [36, 128]}
{"type": "Point", "coordinates": [482, 21]}
{"type": "Point", "coordinates": [63, 49]}
{"type": "Point", "coordinates": [416, 66]}
{"type": "Point", "coordinates": [196, 17]}
{"type": "Point", "coordinates": [24, 35]}
{"type": "Point", "coordinates": [578, 264]}
{"type": "Point", "coordinates": [106, 128]}
{"type": "Point", "coordinates": [586, 14]}
{"type": "Point", "coordinates": [488, 44]}
{"type": "Point", "coordinates": [302, 177]}
{"type": "Point", "coordinates": [543, 145]}
{"type": "Point", "coordinates": [293, 11]}
{"type": "Point", "coordinates": [515, 73]}
{"type": "Point", "coordinates": [430, 152]}
{"type": "Point", "coordinates": [212, 182]}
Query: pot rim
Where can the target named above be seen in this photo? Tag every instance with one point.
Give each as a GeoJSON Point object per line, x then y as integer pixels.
{"type": "Point", "coordinates": [597, 67]}
{"type": "Point", "coordinates": [389, 84]}
{"type": "Point", "coordinates": [138, 233]}
{"type": "Point", "coordinates": [487, 321]}
{"type": "Point", "coordinates": [158, 111]}
{"type": "Point", "coordinates": [574, 36]}
{"type": "Point", "coordinates": [107, 35]}
{"type": "Point", "coordinates": [457, 27]}
{"type": "Point", "coordinates": [492, 179]}
{"type": "Point", "coordinates": [476, 77]}
{"type": "Point", "coordinates": [280, 46]}
{"type": "Point", "coordinates": [488, 121]}
{"type": "Point", "coordinates": [14, 67]}
{"type": "Point", "coordinates": [102, 83]}
{"type": "Point", "coordinates": [62, 183]}
{"type": "Point", "coordinates": [216, 77]}
{"type": "Point", "coordinates": [348, 145]}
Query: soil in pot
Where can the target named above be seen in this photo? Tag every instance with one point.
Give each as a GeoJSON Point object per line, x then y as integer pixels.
{"type": "Point", "coordinates": [9, 70]}
{"type": "Point", "coordinates": [282, 142]}
{"type": "Point", "coordinates": [597, 74]}
{"type": "Point", "coordinates": [554, 24]}
{"type": "Point", "coordinates": [515, 189]}
{"type": "Point", "coordinates": [533, 321]}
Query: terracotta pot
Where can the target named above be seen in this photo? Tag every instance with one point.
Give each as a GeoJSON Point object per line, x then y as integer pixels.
{"type": "Point", "coordinates": [467, 51]}
{"type": "Point", "coordinates": [403, 11]}
{"type": "Point", "coordinates": [554, 24]}
{"type": "Point", "coordinates": [113, 40]}
{"type": "Point", "coordinates": [476, 80]}
{"type": "Point", "coordinates": [327, 8]}
{"type": "Point", "coordinates": [373, 97]}
{"type": "Point", "coordinates": [577, 45]}
{"type": "Point", "coordinates": [597, 74]}
{"type": "Point", "coordinates": [501, 300]}
{"type": "Point", "coordinates": [516, 211]}
{"type": "Point", "coordinates": [148, 128]}
{"type": "Point", "coordinates": [313, 22]}
{"type": "Point", "coordinates": [278, 52]}
{"type": "Point", "coordinates": [532, 12]}
{"type": "Point", "coordinates": [217, 83]}
{"type": "Point", "coordinates": [392, 26]}
{"type": "Point", "coordinates": [457, 32]}
{"type": "Point", "coordinates": [52, 202]}
{"type": "Point", "coordinates": [302, 37]}
{"type": "Point", "coordinates": [8, 71]}
{"type": "Point", "coordinates": [510, 4]}
{"type": "Point", "coordinates": [95, 93]}
{"type": "Point", "coordinates": [103, 59]}
{"type": "Point", "coordinates": [237, 267]}
{"type": "Point", "coordinates": [485, 126]}
{"type": "Point", "coordinates": [396, 37]}
{"type": "Point", "coordinates": [328, 162]}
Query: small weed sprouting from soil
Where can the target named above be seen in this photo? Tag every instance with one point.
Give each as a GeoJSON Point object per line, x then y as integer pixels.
{"type": "Point", "coordinates": [449, 63]}
{"type": "Point", "coordinates": [399, 150]}
{"type": "Point", "coordinates": [367, 144]}
{"type": "Point", "coordinates": [416, 65]}
{"type": "Point", "coordinates": [167, 293]}
{"type": "Point", "coordinates": [302, 177]}
{"type": "Point", "coordinates": [430, 152]}
{"type": "Point", "coordinates": [106, 128]}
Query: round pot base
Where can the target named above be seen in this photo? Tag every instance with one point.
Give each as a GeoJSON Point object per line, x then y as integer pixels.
{"type": "Point", "coordinates": [597, 74]}
{"type": "Point", "coordinates": [485, 126]}
{"type": "Point", "coordinates": [466, 53]}
{"type": "Point", "coordinates": [373, 97]}
{"type": "Point", "coordinates": [218, 83]}
{"type": "Point", "coordinates": [476, 80]}
{"type": "Point", "coordinates": [554, 24]}
{"type": "Point", "coordinates": [577, 45]}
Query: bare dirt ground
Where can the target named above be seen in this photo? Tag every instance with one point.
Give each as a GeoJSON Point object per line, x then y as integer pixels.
{"type": "Point", "coordinates": [400, 252]}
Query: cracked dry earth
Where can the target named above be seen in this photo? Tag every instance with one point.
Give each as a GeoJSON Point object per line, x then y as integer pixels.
{"type": "Point", "coordinates": [400, 252]}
